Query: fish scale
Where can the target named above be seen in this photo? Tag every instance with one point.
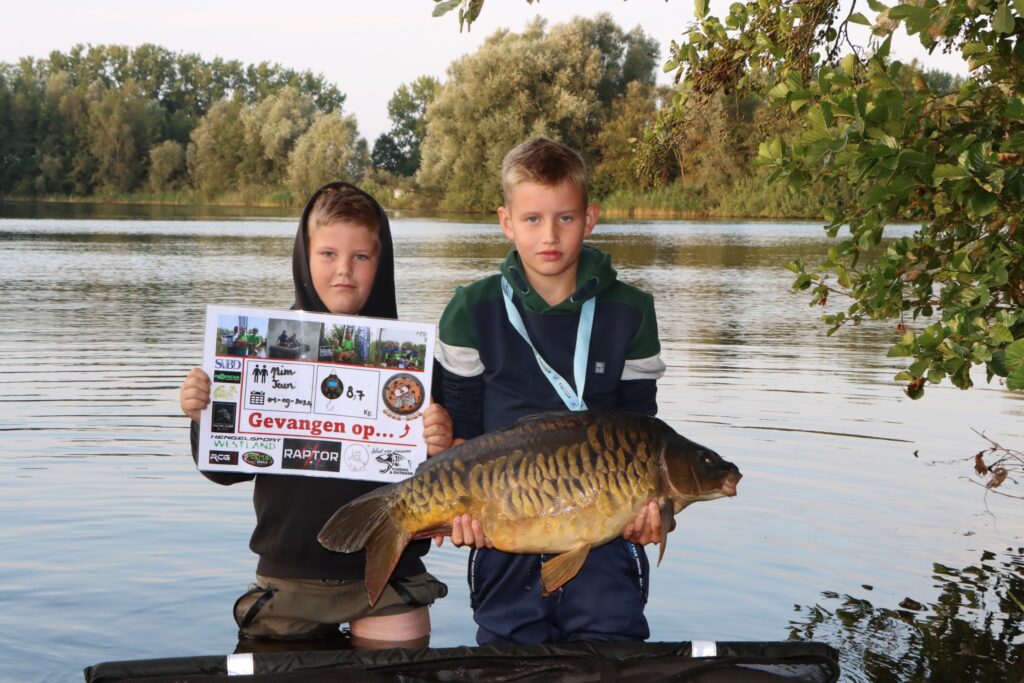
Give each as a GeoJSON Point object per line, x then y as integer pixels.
{"type": "Point", "coordinates": [556, 483]}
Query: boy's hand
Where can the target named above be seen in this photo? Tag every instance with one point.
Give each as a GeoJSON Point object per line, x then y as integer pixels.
{"type": "Point", "coordinates": [437, 428]}
{"type": "Point", "coordinates": [195, 393]}
{"type": "Point", "coordinates": [646, 526]}
{"type": "Point", "coordinates": [466, 531]}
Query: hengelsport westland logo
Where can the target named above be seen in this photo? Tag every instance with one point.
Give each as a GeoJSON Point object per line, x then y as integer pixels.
{"type": "Point", "coordinates": [258, 459]}
{"type": "Point", "coordinates": [310, 454]}
{"type": "Point", "coordinates": [223, 457]}
{"type": "Point", "coordinates": [395, 460]}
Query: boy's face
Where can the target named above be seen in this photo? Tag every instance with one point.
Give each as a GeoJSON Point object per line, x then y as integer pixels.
{"type": "Point", "coordinates": [548, 223]}
{"type": "Point", "coordinates": [343, 260]}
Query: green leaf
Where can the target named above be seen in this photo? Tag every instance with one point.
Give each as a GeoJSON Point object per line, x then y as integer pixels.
{"type": "Point", "coordinates": [983, 203]}
{"type": "Point", "coordinates": [877, 6]}
{"type": "Point", "coordinates": [700, 8]}
{"type": "Point", "coordinates": [1000, 334]}
{"type": "Point", "coordinates": [1015, 355]}
{"type": "Point", "coordinates": [946, 172]}
{"type": "Point", "coordinates": [883, 50]}
{"type": "Point", "coordinates": [1015, 380]}
{"type": "Point", "coordinates": [445, 6]}
{"type": "Point", "coordinates": [1014, 107]}
{"type": "Point", "coordinates": [858, 18]}
{"type": "Point", "coordinates": [1003, 20]}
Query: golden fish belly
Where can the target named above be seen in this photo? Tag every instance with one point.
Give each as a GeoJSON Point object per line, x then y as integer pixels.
{"type": "Point", "coordinates": [541, 502]}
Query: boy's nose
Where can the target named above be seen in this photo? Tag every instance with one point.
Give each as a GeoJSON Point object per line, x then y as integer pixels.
{"type": "Point", "coordinates": [549, 234]}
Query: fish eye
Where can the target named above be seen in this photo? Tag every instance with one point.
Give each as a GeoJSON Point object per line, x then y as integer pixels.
{"type": "Point", "coordinates": [708, 459]}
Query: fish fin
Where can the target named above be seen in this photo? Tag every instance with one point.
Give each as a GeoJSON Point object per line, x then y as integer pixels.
{"type": "Point", "coordinates": [557, 571]}
{"type": "Point", "coordinates": [666, 526]}
{"type": "Point", "coordinates": [443, 530]}
{"type": "Point", "coordinates": [382, 553]}
{"type": "Point", "coordinates": [351, 526]}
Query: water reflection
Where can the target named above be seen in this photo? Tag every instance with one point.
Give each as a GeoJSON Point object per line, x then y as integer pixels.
{"type": "Point", "coordinates": [973, 631]}
{"type": "Point", "coordinates": [115, 548]}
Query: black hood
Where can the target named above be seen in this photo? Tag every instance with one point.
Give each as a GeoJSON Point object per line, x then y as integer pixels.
{"type": "Point", "coordinates": [381, 302]}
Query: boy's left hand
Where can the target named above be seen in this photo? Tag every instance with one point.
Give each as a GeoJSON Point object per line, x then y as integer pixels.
{"type": "Point", "coordinates": [437, 428]}
{"type": "Point", "coordinates": [646, 526]}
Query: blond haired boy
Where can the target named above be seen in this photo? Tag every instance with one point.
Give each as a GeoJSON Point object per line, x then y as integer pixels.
{"type": "Point", "coordinates": [554, 330]}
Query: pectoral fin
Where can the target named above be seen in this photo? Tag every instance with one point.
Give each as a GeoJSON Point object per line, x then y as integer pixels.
{"type": "Point", "coordinates": [667, 516]}
{"type": "Point", "coordinates": [557, 571]}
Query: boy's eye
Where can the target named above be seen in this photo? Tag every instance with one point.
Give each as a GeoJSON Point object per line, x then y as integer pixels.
{"type": "Point", "coordinates": [326, 253]}
{"type": "Point", "coordinates": [533, 219]}
{"type": "Point", "coordinates": [362, 257]}
{"type": "Point", "coordinates": [567, 219]}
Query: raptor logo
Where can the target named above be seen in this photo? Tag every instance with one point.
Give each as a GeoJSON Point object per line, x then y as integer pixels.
{"type": "Point", "coordinates": [310, 454]}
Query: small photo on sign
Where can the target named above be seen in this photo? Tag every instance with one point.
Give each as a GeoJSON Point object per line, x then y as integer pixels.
{"type": "Point", "coordinates": [294, 339]}
{"type": "Point", "coordinates": [348, 344]}
{"type": "Point", "coordinates": [223, 417]}
{"type": "Point", "coordinates": [403, 394]}
{"type": "Point", "coordinates": [399, 348]}
{"type": "Point", "coordinates": [241, 335]}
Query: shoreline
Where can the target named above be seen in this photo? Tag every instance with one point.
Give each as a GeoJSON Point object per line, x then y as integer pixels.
{"type": "Point", "coordinates": [631, 213]}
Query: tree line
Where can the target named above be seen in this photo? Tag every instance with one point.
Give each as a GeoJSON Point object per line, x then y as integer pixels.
{"type": "Point", "coordinates": [112, 121]}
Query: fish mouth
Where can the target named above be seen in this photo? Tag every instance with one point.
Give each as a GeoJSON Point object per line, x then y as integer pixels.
{"type": "Point", "coordinates": [729, 485]}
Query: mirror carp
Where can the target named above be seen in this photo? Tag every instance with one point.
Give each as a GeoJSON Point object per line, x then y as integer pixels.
{"type": "Point", "coordinates": [554, 483]}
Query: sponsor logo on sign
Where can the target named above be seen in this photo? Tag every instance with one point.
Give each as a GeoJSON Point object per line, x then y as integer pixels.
{"type": "Point", "coordinates": [223, 417]}
{"type": "Point", "coordinates": [227, 377]}
{"type": "Point", "coordinates": [223, 457]}
{"type": "Point", "coordinates": [356, 457]}
{"type": "Point", "coordinates": [258, 459]}
{"type": "Point", "coordinates": [225, 392]}
{"type": "Point", "coordinates": [310, 454]}
{"type": "Point", "coordinates": [394, 462]}
{"type": "Point", "coordinates": [227, 364]}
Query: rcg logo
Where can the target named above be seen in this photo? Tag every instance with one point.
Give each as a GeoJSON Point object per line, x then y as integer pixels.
{"type": "Point", "coordinates": [227, 364]}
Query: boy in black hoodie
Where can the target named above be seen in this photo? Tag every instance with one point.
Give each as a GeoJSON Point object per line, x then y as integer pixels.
{"type": "Point", "coordinates": [342, 263]}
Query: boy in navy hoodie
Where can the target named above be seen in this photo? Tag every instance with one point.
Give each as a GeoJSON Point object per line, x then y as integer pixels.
{"type": "Point", "coordinates": [342, 263]}
{"type": "Point", "coordinates": [554, 330]}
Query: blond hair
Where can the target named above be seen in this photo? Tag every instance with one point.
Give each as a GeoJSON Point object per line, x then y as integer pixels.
{"type": "Point", "coordinates": [344, 204]}
{"type": "Point", "coordinates": [543, 161]}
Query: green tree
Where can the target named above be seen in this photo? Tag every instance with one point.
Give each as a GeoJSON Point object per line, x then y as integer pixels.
{"type": "Point", "coordinates": [559, 83]}
{"type": "Point", "coordinates": [272, 127]}
{"type": "Point", "coordinates": [123, 125]}
{"type": "Point", "coordinates": [386, 155]}
{"type": "Point", "coordinates": [330, 150]}
{"type": "Point", "coordinates": [949, 159]}
{"type": "Point", "coordinates": [407, 110]}
{"type": "Point", "coordinates": [166, 166]}
{"type": "Point", "coordinates": [945, 154]}
{"type": "Point", "coordinates": [215, 150]}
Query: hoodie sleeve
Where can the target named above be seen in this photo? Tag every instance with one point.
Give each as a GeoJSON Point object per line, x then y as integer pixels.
{"type": "Point", "coordinates": [225, 478]}
{"type": "Point", "coordinates": [462, 371]}
{"type": "Point", "coordinates": [643, 368]}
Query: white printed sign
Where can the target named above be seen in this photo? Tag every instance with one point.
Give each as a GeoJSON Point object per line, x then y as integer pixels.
{"type": "Point", "coordinates": [314, 394]}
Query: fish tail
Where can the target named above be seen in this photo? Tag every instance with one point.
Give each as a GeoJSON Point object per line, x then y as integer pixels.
{"type": "Point", "coordinates": [349, 529]}
{"type": "Point", "coordinates": [367, 523]}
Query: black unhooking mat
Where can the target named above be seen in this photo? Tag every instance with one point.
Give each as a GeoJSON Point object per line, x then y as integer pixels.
{"type": "Point", "coordinates": [745, 662]}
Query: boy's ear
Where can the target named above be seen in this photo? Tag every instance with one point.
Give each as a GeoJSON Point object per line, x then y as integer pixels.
{"type": "Point", "coordinates": [505, 220]}
{"type": "Point", "coordinates": [593, 211]}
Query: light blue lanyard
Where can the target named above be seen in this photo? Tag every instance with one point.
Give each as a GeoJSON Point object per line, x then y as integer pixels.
{"type": "Point", "coordinates": [572, 399]}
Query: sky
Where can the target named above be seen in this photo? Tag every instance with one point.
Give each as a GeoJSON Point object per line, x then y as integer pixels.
{"type": "Point", "coordinates": [365, 47]}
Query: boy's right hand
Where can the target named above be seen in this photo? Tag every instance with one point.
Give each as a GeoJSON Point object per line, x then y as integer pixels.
{"type": "Point", "coordinates": [467, 531]}
{"type": "Point", "coordinates": [195, 393]}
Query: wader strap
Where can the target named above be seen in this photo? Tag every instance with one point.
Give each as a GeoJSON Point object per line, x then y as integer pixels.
{"type": "Point", "coordinates": [250, 615]}
{"type": "Point", "coordinates": [398, 585]}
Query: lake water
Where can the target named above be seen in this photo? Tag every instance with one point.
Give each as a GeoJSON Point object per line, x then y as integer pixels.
{"type": "Point", "coordinates": [113, 547]}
